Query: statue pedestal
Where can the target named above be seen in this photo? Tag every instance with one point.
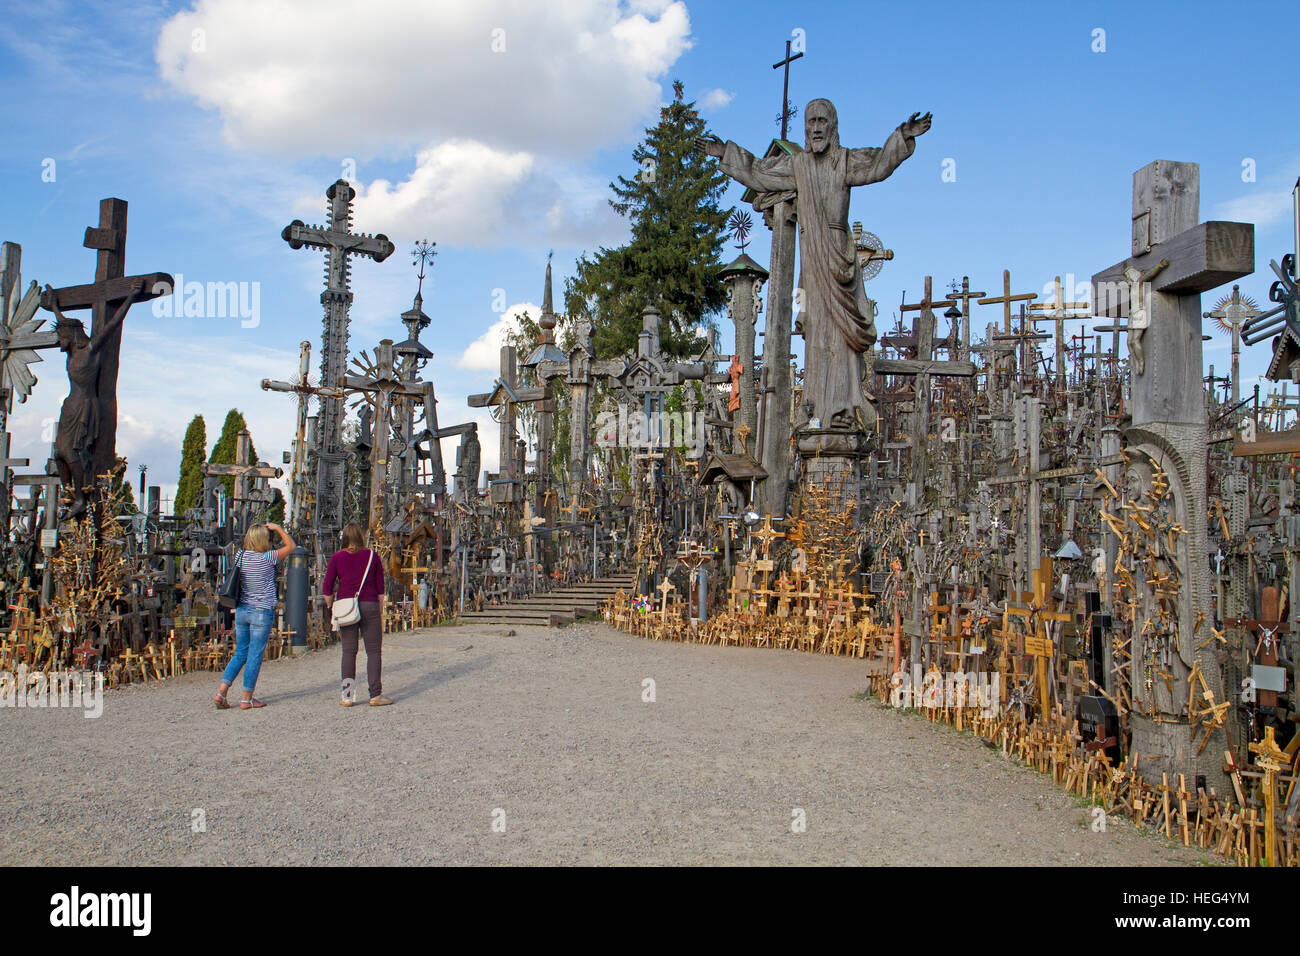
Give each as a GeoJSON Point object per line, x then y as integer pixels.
{"type": "Point", "coordinates": [832, 458]}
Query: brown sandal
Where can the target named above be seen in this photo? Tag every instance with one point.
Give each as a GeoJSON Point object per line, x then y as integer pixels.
{"type": "Point", "coordinates": [221, 702]}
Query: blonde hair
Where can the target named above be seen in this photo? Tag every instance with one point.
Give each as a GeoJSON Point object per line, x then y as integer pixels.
{"type": "Point", "coordinates": [257, 538]}
{"type": "Point", "coordinates": [354, 536]}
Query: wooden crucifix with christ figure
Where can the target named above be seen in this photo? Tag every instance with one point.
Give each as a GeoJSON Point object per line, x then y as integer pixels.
{"type": "Point", "coordinates": [837, 319]}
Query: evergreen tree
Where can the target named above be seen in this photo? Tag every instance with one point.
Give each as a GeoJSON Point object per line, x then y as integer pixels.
{"type": "Point", "coordinates": [227, 447]}
{"type": "Point", "coordinates": [189, 487]}
{"type": "Point", "coordinates": [674, 254]}
{"type": "Point", "coordinates": [275, 513]}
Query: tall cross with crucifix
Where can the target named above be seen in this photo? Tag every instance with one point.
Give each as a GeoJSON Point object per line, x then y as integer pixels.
{"type": "Point", "coordinates": [339, 244]}
{"type": "Point", "coordinates": [86, 443]}
{"type": "Point", "coordinates": [786, 110]}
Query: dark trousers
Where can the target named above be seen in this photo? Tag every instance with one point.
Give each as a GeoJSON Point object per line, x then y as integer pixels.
{"type": "Point", "coordinates": [371, 628]}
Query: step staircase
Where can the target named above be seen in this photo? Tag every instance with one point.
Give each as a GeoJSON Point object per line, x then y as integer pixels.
{"type": "Point", "coordinates": [554, 608]}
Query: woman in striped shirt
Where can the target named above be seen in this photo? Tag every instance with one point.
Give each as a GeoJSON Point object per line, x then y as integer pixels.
{"type": "Point", "coordinates": [256, 611]}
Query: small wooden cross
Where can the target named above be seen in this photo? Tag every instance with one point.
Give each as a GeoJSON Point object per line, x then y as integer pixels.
{"type": "Point", "coordinates": [665, 587]}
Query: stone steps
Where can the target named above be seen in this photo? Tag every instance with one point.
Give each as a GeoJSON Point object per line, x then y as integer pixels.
{"type": "Point", "coordinates": [553, 608]}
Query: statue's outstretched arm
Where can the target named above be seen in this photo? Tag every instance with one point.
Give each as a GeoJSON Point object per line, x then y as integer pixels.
{"type": "Point", "coordinates": [101, 335]}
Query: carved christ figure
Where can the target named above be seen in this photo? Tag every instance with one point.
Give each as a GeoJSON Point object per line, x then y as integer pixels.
{"type": "Point", "coordinates": [79, 418]}
{"type": "Point", "coordinates": [835, 316]}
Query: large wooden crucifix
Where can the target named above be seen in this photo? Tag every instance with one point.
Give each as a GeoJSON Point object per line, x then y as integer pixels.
{"type": "Point", "coordinates": [86, 444]}
{"type": "Point", "coordinates": [339, 243]}
{"type": "Point", "coordinates": [1181, 258]}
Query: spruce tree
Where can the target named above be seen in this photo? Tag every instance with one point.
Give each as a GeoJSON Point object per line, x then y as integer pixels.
{"type": "Point", "coordinates": [672, 259]}
{"type": "Point", "coordinates": [227, 447]}
{"type": "Point", "coordinates": [189, 487]}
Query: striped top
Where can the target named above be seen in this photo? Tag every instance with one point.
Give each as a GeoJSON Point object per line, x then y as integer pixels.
{"type": "Point", "coordinates": [257, 577]}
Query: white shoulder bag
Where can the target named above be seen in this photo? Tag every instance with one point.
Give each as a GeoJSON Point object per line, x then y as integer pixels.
{"type": "Point", "coordinates": [346, 610]}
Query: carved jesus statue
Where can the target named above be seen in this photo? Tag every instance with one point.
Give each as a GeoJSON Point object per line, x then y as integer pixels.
{"type": "Point", "coordinates": [835, 315]}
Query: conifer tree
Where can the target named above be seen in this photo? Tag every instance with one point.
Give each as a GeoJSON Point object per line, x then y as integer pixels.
{"type": "Point", "coordinates": [672, 259]}
{"type": "Point", "coordinates": [227, 447]}
{"type": "Point", "coordinates": [189, 487]}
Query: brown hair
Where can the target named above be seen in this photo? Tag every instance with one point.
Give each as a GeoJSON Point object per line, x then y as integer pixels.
{"type": "Point", "coordinates": [354, 536]}
{"type": "Point", "coordinates": [257, 538]}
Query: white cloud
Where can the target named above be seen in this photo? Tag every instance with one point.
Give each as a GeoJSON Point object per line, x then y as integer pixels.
{"type": "Point", "coordinates": [716, 99]}
{"type": "Point", "coordinates": [484, 353]}
{"type": "Point", "coordinates": [494, 132]}
{"type": "Point", "coordinates": [1264, 207]}
{"type": "Point", "coordinates": [296, 77]}
{"type": "Point", "coordinates": [459, 190]}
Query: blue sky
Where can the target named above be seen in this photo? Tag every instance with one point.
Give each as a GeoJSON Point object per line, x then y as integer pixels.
{"type": "Point", "coordinates": [494, 129]}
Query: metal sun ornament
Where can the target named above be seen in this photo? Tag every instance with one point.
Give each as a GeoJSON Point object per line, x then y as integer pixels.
{"type": "Point", "coordinates": [1228, 314]}
{"type": "Point", "coordinates": [869, 242]}
{"type": "Point", "coordinates": [739, 225]}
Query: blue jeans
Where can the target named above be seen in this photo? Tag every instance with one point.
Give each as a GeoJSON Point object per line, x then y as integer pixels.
{"type": "Point", "coordinates": [252, 632]}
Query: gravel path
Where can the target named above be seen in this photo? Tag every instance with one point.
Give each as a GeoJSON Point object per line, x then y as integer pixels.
{"type": "Point", "coordinates": [547, 730]}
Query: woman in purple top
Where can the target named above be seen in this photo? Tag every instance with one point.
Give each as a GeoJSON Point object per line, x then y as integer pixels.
{"type": "Point", "coordinates": [358, 572]}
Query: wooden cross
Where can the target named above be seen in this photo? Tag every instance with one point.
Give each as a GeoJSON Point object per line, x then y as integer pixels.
{"type": "Point", "coordinates": [1059, 310]}
{"type": "Point", "coordinates": [766, 535]}
{"type": "Point", "coordinates": [20, 343]}
{"type": "Point", "coordinates": [665, 588]}
{"type": "Point", "coordinates": [964, 297]}
{"type": "Point", "coordinates": [922, 367]}
{"type": "Point", "coordinates": [742, 437]}
{"type": "Point", "coordinates": [1006, 298]}
{"type": "Point", "coordinates": [1199, 257]}
{"type": "Point", "coordinates": [112, 290]}
{"type": "Point", "coordinates": [1271, 758]}
{"type": "Point", "coordinates": [242, 470]}
{"type": "Point", "coordinates": [298, 490]}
